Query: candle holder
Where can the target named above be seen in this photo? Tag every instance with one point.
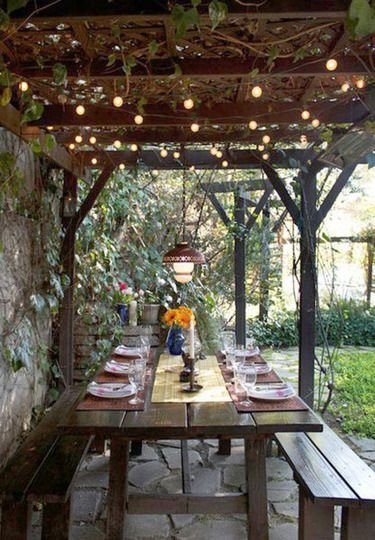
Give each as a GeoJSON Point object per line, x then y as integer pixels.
{"type": "Point", "coordinates": [189, 373]}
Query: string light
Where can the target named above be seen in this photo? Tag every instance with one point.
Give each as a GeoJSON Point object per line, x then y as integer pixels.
{"type": "Point", "coordinates": [50, 128]}
{"type": "Point", "coordinates": [176, 154]}
{"type": "Point", "coordinates": [121, 166]}
{"type": "Point", "coordinates": [360, 83]}
{"type": "Point", "coordinates": [224, 163]}
{"type": "Point", "coordinates": [80, 110]}
{"type": "Point", "coordinates": [138, 119]}
{"type": "Point", "coordinates": [194, 127]}
{"type": "Point", "coordinates": [266, 139]}
{"type": "Point", "coordinates": [92, 139]}
{"type": "Point", "coordinates": [192, 168]}
{"type": "Point", "coordinates": [260, 147]}
{"type": "Point", "coordinates": [331, 64]}
{"type": "Point", "coordinates": [94, 161]}
{"type": "Point", "coordinates": [117, 144]}
{"type": "Point", "coordinates": [345, 87]}
{"type": "Point", "coordinates": [265, 156]}
{"type": "Point", "coordinates": [154, 172]}
{"type": "Point", "coordinates": [78, 139]}
{"type": "Point", "coordinates": [72, 146]}
{"type": "Point", "coordinates": [23, 86]}
{"type": "Point", "coordinates": [256, 91]}
{"type": "Point", "coordinates": [303, 139]}
{"type": "Point", "coordinates": [188, 103]}
{"type": "Point", "coordinates": [118, 101]}
{"type": "Point", "coordinates": [219, 154]}
{"type": "Point", "coordinates": [213, 150]}
{"type": "Point", "coordinates": [62, 98]}
{"type": "Point", "coordinates": [253, 125]}
{"type": "Point", "coordinates": [305, 114]}
{"type": "Point", "coordinates": [315, 123]}
{"type": "Point", "coordinates": [133, 147]}
{"type": "Point", "coordinates": [163, 152]}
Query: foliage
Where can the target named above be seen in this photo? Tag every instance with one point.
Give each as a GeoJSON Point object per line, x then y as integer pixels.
{"type": "Point", "coordinates": [360, 20]}
{"type": "Point", "coordinates": [354, 398]}
{"type": "Point", "coordinates": [345, 323]}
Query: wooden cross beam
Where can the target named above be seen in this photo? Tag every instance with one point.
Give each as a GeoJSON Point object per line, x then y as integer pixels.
{"type": "Point", "coordinates": [348, 111]}
{"type": "Point", "coordinates": [219, 208]}
{"type": "Point", "coordinates": [259, 207]}
{"type": "Point", "coordinates": [283, 193]}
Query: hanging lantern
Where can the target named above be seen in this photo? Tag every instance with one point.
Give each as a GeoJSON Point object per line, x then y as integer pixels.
{"type": "Point", "coordinates": [183, 258]}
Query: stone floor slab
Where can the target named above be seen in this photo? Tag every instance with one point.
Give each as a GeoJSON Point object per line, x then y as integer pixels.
{"type": "Point", "coordinates": [173, 457]}
{"type": "Point", "coordinates": [209, 529]}
{"type": "Point", "coordinates": [87, 504]}
{"type": "Point", "coordinates": [155, 527]}
{"type": "Point", "coordinates": [286, 531]}
{"type": "Point", "coordinates": [146, 473]}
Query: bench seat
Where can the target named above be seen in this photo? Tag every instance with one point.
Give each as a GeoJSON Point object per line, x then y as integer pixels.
{"type": "Point", "coordinates": [330, 474]}
{"type": "Point", "coordinates": [42, 470]}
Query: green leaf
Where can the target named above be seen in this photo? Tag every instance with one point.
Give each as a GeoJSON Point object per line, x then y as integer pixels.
{"type": "Point", "coordinates": [6, 96]}
{"type": "Point", "coordinates": [360, 20]}
{"type": "Point", "coordinates": [111, 60]}
{"type": "Point", "coordinates": [13, 5]}
{"type": "Point", "coordinates": [300, 54]}
{"type": "Point", "coordinates": [254, 73]}
{"type": "Point", "coordinates": [217, 11]}
{"type": "Point", "coordinates": [370, 158]}
{"type": "Point", "coordinates": [4, 20]}
{"type": "Point", "coordinates": [59, 73]}
{"type": "Point", "coordinates": [116, 31]}
{"type": "Point", "coordinates": [49, 142]}
{"type": "Point", "coordinates": [140, 104]}
{"type": "Point", "coordinates": [153, 47]}
{"type": "Point", "coordinates": [183, 20]}
{"type": "Point", "coordinates": [33, 111]}
{"type": "Point", "coordinates": [38, 302]}
{"type": "Point", "coordinates": [36, 147]}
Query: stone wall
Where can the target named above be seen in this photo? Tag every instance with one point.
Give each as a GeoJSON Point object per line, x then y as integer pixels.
{"type": "Point", "coordinates": [22, 330]}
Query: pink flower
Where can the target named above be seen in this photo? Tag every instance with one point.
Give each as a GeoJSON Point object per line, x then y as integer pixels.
{"type": "Point", "coordinates": [122, 285]}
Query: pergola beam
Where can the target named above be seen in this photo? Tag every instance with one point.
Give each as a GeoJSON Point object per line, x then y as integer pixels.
{"type": "Point", "coordinates": [348, 111]}
{"type": "Point", "coordinates": [201, 68]}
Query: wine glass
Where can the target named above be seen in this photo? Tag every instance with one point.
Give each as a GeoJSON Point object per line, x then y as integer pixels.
{"type": "Point", "coordinates": [228, 340]}
{"type": "Point", "coordinates": [136, 373]}
{"type": "Point", "coordinates": [247, 376]}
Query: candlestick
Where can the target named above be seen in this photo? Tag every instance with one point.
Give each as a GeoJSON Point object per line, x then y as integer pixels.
{"type": "Point", "coordinates": [191, 333]}
{"type": "Point", "coordinates": [133, 313]}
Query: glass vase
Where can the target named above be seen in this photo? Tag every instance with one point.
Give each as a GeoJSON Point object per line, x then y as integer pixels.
{"type": "Point", "coordinates": [175, 340]}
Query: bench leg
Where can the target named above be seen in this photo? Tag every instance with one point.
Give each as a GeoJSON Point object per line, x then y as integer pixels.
{"type": "Point", "coordinates": [257, 515]}
{"type": "Point", "coordinates": [224, 447]}
{"type": "Point", "coordinates": [315, 520]}
{"type": "Point", "coordinates": [185, 467]}
{"type": "Point", "coordinates": [56, 521]}
{"type": "Point", "coordinates": [118, 489]}
{"type": "Point", "coordinates": [357, 523]}
{"type": "Point", "coordinates": [15, 520]}
{"type": "Point", "coordinates": [136, 448]}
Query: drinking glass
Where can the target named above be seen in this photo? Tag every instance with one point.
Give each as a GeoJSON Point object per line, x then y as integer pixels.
{"type": "Point", "coordinates": [136, 373]}
{"type": "Point", "coordinates": [228, 340]}
{"type": "Point", "coordinates": [247, 376]}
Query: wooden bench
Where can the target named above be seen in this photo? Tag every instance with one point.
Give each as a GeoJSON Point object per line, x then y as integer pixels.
{"type": "Point", "coordinates": [330, 474]}
{"type": "Point", "coordinates": [42, 470]}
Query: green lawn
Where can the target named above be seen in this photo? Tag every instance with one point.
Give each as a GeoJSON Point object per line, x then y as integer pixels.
{"type": "Point", "coordinates": [354, 397]}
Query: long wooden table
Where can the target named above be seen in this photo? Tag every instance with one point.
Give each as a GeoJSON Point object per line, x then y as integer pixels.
{"type": "Point", "coordinates": [188, 421]}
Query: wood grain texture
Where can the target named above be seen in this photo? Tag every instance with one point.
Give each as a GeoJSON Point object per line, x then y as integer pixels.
{"type": "Point", "coordinates": [118, 488]}
{"type": "Point", "coordinates": [93, 422]}
{"type": "Point", "coordinates": [218, 419]}
{"type": "Point", "coordinates": [274, 422]}
{"type": "Point", "coordinates": [315, 520]}
{"type": "Point", "coordinates": [161, 420]}
{"type": "Point", "coordinates": [15, 520]}
{"type": "Point", "coordinates": [354, 471]}
{"type": "Point", "coordinates": [256, 480]}
{"type": "Point", "coordinates": [357, 524]}
{"type": "Point", "coordinates": [314, 474]}
{"type": "Point", "coordinates": [56, 521]}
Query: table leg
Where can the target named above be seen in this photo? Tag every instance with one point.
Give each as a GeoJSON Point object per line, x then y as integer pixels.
{"type": "Point", "coordinates": [118, 489]}
{"type": "Point", "coordinates": [257, 515]}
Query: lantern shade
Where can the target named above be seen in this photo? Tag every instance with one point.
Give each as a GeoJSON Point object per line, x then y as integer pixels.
{"type": "Point", "coordinates": [183, 278]}
{"type": "Point", "coordinates": [183, 253]}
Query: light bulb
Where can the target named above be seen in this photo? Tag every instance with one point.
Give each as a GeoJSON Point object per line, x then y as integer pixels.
{"type": "Point", "coordinates": [80, 110]}
{"type": "Point", "coordinates": [94, 161]}
{"type": "Point", "coordinates": [219, 154]}
{"type": "Point", "coordinates": [213, 150]}
{"type": "Point", "coordinates": [118, 101]}
{"type": "Point", "coordinates": [192, 168]}
{"type": "Point", "coordinates": [345, 87]}
{"type": "Point", "coordinates": [121, 166]}
{"type": "Point", "coordinates": [50, 128]}
{"type": "Point", "coordinates": [72, 146]}
{"type": "Point", "coordinates": [266, 139]}
{"type": "Point", "coordinates": [183, 267]}
{"type": "Point", "coordinates": [133, 147]}
{"type": "Point", "coordinates": [360, 83]}
{"type": "Point", "coordinates": [23, 86]}
{"type": "Point", "coordinates": [256, 91]}
{"type": "Point", "coordinates": [183, 278]}
{"type": "Point", "coordinates": [154, 172]}
{"type": "Point", "coordinates": [224, 163]}
{"type": "Point", "coordinates": [331, 64]}
{"type": "Point", "coordinates": [176, 155]}
{"type": "Point", "coordinates": [260, 147]}
{"type": "Point", "coordinates": [303, 139]}
{"type": "Point", "coordinates": [315, 123]}
{"type": "Point", "coordinates": [78, 139]}
{"type": "Point", "coordinates": [117, 144]}
{"type": "Point", "coordinates": [138, 119]}
{"type": "Point", "coordinates": [188, 103]}
{"type": "Point", "coordinates": [253, 125]}
{"type": "Point", "coordinates": [265, 156]}
{"type": "Point", "coordinates": [305, 114]}
{"type": "Point", "coordinates": [163, 152]}
{"type": "Point", "coordinates": [62, 98]}
{"type": "Point", "coordinates": [92, 139]}
{"type": "Point", "coordinates": [194, 127]}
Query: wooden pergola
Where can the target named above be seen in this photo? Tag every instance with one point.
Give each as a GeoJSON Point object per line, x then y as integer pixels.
{"type": "Point", "coordinates": [87, 53]}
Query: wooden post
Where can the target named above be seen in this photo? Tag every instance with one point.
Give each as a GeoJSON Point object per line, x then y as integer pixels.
{"type": "Point", "coordinates": [118, 489]}
{"type": "Point", "coordinates": [256, 479]}
{"type": "Point", "coordinates": [264, 291]}
{"type": "Point", "coordinates": [239, 269]}
{"type": "Point", "coordinates": [370, 266]}
{"type": "Point", "coordinates": [66, 316]}
{"type": "Point", "coordinates": [307, 288]}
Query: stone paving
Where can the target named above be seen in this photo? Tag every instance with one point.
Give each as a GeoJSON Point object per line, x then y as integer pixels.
{"type": "Point", "coordinates": [158, 469]}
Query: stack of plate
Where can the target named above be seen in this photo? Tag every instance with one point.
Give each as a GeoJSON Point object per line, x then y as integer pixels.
{"type": "Point", "coordinates": [272, 392]}
{"type": "Point", "coordinates": [262, 369]}
{"type": "Point", "coordinates": [110, 390]}
{"type": "Point", "coordinates": [127, 352]}
{"type": "Point", "coordinates": [116, 368]}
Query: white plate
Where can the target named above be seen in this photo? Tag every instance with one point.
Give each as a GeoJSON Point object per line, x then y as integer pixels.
{"type": "Point", "coordinates": [252, 352]}
{"type": "Point", "coordinates": [116, 368]}
{"type": "Point", "coordinates": [110, 390]}
{"type": "Point", "coordinates": [121, 350]}
{"type": "Point", "coordinates": [269, 394]}
{"type": "Point", "coordinates": [262, 369]}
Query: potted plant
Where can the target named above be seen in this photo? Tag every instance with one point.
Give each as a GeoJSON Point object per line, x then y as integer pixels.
{"type": "Point", "coordinates": [122, 295]}
{"type": "Point", "coordinates": [151, 308]}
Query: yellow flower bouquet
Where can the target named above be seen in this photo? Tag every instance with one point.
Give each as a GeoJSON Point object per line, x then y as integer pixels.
{"type": "Point", "coordinates": [180, 316]}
